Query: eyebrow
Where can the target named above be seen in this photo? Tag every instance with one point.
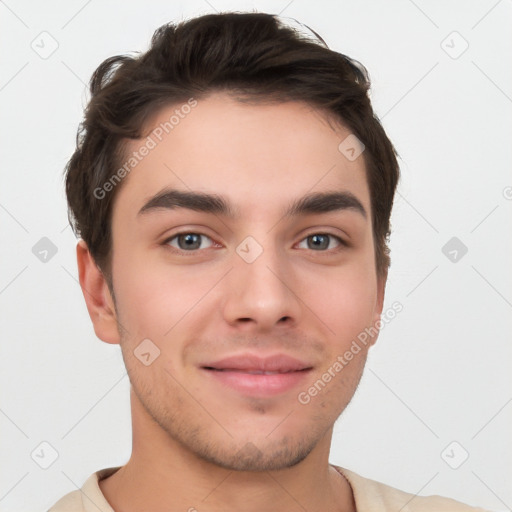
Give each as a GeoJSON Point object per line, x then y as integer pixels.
{"type": "Point", "coordinates": [324, 202]}
{"type": "Point", "coordinates": [318, 202]}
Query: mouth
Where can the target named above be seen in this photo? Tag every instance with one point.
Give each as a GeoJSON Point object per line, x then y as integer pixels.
{"type": "Point", "coordinates": [253, 372]}
{"type": "Point", "coordinates": [255, 376]}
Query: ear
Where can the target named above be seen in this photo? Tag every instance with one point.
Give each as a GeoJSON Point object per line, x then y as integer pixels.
{"type": "Point", "coordinates": [379, 304]}
{"type": "Point", "coordinates": [97, 296]}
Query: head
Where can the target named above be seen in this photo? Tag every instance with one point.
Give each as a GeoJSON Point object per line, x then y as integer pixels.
{"type": "Point", "coordinates": [188, 188]}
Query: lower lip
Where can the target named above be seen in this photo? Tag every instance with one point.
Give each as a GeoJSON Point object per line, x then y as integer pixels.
{"type": "Point", "coordinates": [259, 384]}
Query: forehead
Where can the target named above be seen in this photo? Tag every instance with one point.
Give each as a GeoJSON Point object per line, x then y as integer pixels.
{"type": "Point", "coordinates": [252, 154]}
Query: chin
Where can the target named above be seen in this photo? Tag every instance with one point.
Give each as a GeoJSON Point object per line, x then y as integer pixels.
{"type": "Point", "coordinates": [250, 458]}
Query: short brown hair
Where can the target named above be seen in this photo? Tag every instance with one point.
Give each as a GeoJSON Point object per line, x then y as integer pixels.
{"type": "Point", "coordinates": [250, 55]}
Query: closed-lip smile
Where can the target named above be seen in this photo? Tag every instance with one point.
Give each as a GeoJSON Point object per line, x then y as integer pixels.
{"type": "Point", "coordinates": [256, 375]}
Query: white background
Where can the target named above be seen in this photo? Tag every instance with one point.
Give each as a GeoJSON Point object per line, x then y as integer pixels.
{"type": "Point", "coordinates": [441, 370]}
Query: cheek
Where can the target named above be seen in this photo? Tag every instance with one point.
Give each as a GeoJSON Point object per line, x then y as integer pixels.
{"type": "Point", "coordinates": [153, 297]}
{"type": "Point", "coordinates": [346, 302]}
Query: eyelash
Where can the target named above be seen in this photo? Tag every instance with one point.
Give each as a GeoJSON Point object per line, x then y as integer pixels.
{"type": "Point", "coordinates": [342, 243]}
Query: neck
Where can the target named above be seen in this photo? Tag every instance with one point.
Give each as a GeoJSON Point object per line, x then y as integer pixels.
{"type": "Point", "coordinates": [163, 475]}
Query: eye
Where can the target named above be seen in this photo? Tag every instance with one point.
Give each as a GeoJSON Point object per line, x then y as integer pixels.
{"type": "Point", "coordinates": [188, 241]}
{"type": "Point", "coordinates": [321, 242]}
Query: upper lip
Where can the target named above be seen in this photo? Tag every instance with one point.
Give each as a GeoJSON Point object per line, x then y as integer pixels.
{"type": "Point", "coordinates": [250, 362]}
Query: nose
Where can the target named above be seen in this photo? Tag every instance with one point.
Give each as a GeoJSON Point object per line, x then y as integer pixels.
{"type": "Point", "coordinates": [260, 293]}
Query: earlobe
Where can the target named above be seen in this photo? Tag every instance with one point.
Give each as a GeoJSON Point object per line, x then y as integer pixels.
{"type": "Point", "coordinates": [381, 290]}
{"type": "Point", "coordinates": [97, 295]}
{"type": "Point", "coordinates": [379, 305]}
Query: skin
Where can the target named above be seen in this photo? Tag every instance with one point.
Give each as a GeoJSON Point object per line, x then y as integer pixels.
{"type": "Point", "coordinates": [197, 443]}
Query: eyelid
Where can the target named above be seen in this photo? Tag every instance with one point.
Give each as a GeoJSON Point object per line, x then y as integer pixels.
{"type": "Point", "coordinates": [186, 229]}
{"type": "Point", "coordinates": [338, 233]}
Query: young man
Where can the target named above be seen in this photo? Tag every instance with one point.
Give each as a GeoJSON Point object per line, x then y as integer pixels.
{"type": "Point", "coordinates": [232, 189]}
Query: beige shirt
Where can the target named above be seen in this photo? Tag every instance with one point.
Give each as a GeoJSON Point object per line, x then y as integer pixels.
{"type": "Point", "coordinates": [369, 496]}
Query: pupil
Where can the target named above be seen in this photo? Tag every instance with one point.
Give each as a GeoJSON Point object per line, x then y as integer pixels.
{"type": "Point", "coordinates": [320, 241]}
{"type": "Point", "coordinates": [191, 241]}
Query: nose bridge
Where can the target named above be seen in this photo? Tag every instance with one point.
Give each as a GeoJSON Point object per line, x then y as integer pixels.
{"type": "Point", "coordinates": [258, 287]}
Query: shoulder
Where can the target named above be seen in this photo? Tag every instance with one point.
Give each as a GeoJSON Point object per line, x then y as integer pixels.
{"type": "Point", "coordinates": [71, 502]}
{"type": "Point", "coordinates": [87, 499]}
{"type": "Point", "coordinates": [370, 495]}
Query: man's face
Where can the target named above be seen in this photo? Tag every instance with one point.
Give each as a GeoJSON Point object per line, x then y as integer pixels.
{"type": "Point", "coordinates": [285, 293]}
